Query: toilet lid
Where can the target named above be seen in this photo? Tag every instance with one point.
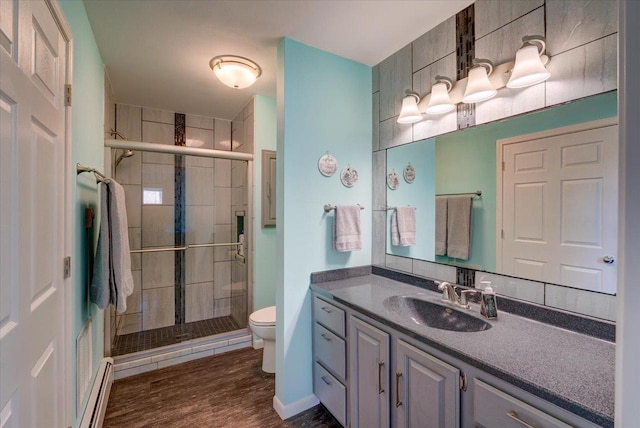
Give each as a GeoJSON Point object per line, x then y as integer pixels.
{"type": "Point", "coordinates": [266, 316]}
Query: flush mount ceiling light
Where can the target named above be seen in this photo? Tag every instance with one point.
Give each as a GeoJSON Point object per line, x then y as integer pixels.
{"type": "Point", "coordinates": [409, 112]}
{"type": "Point", "coordinates": [235, 71]}
{"type": "Point", "coordinates": [479, 88]}
{"type": "Point", "coordinates": [529, 68]}
{"type": "Point", "coordinates": [440, 102]}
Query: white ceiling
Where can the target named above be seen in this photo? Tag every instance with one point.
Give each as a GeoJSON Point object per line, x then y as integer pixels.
{"type": "Point", "coordinates": [157, 52]}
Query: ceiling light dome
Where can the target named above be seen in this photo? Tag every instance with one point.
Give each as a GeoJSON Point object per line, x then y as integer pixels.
{"type": "Point", "coordinates": [235, 71]}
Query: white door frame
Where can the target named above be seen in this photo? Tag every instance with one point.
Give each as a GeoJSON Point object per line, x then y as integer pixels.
{"type": "Point", "coordinates": [586, 126]}
{"type": "Point", "coordinates": [69, 410]}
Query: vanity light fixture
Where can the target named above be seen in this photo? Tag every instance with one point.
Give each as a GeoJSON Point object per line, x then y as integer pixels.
{"type": "Point", "coordinates": [440, 101]}
{"type": "Point", "coordinates": [235, 71]}
{"type": "Point", "coordinates": [529, 68]}
{"type": "Point", "coordinates": [479, 88]}
{"type": "Point", "coordinates": [410, 112]}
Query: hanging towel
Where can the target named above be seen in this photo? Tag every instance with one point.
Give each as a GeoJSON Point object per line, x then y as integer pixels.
{"type": "Point", "coordinates": [403, 226]}
{"type": "Point", "coordinates": [112, 280]}
{"type": "Point", "coordinates": [441, 225]}
{"type": "Point", "coordinates": [346, 228]}
{"type": "Point", "coordinates": [459, 220]}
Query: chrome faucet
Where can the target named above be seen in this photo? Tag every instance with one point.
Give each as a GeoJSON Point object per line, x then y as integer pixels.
{"type": "Point", "coordinates": [450, 295]}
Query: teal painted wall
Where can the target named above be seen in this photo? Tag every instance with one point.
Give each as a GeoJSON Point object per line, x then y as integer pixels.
{"type": "Point", "coordinates": [324, 104]}
{"type": "Point", "coordinates": [87, 146]}
{"type": "Point", "coordinates": [419, 194]}
{"type": "Point", "coordinates": [265, 138]}
{"type": "Point", "coordinates": [466, 161]}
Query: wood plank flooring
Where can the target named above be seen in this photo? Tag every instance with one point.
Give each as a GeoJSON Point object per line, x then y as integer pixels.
{"type": "Point", "coordinates": [226, 390]}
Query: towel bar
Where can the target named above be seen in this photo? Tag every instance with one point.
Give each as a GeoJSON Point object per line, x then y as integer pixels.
{"type": "Point", "coordinates": [99, 176]}
{"type": "Point", "coordinates": [186, 247]}
{"type": "Point", "coordinates": [476, 193]}
{"type": "Point", "coordinates": [329, 207]}
{"type": "Point", "coordinates": [387, 207]}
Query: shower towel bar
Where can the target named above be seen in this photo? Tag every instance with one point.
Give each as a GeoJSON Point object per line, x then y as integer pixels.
{"type": "Point", "coordinates": [99, 176]}
{"type": "Point", "coordinates": [476, 193]}
{"type": "Point", "coordinates": [329, 207]}
{"type": "Point", "coordinates": [186, 247]}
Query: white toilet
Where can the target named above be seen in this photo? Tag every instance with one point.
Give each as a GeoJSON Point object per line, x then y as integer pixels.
{"type": "Point", "coordinates": [263, 325]}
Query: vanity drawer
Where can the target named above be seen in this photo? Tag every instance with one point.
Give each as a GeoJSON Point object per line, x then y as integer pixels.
{"type": "Point", "coordinates": [329, 316]}
{"type": "Point", "coordinates": [330, 350]}
{"type": "Point", "coordinates": [331, 393]}
{"type": "Point", "coordinates": [495, 408]}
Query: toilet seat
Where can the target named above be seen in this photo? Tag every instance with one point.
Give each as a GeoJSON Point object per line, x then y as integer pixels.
{"type": "Point", "coordinates": [264, 317]}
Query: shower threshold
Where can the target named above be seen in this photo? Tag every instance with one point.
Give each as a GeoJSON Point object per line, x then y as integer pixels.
{"type": "Point", "coordinates": [164, 336]}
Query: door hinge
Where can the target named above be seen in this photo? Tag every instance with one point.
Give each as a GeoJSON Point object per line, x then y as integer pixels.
{"type": "Point", "coordinates": [503, 165]}
{"type": "Point", "coordinates": [502, 233]}
{"type": "Point", "coordinates": [67, 268]}
{"type": "Point", "coordinates": [463, 381]}
{"type": "Point", "coordinates": [67, 95]}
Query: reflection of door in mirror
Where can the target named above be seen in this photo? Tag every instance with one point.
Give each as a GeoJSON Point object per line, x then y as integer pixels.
{"type": "Point", "coordinates": [558, 206]}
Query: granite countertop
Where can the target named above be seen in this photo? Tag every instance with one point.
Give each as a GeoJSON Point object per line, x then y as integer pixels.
{"type": "Point", "coordinates": [572, 370]}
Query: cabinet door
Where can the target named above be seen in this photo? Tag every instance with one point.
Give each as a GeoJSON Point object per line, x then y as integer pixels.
{"type": "Point", "coordinates": [426, 389]}
{"type": "Point", "coordinates": [369, 375]}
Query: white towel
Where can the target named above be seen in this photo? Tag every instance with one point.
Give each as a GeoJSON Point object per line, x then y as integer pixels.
{"type": "Point", "coordinates": [403, 226]}
{"type": "Point", "coordinates": [112, 281]}
{"type": "Point", "coordinates": [347, 234]}
{"type": "Point", "coordinates": [441, 225]}
{"type": "Point", "coordinates": [459, 213]}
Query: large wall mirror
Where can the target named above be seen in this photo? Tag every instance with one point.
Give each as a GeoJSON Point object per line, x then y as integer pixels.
{"type": "Point", "coordinates": [548, 208]}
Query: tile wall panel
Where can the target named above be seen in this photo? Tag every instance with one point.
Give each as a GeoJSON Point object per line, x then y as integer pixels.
{"type": "Point", "coordinates": [572, 23]}
{"type": "Point", "coordinates": [375, 78]}
{"type": "Point", "coordinates": [223, 205]}
{"type": "Point", "coordinates": [158, 269]}
{"type": "Point", "coordinates": [199, 266]}
{"type": "Point", "coordinates": [157, 227]}
{"type": "Point", "coordinates": [434, 271]}
{"type": "Point", "coordinates": [378, 242]}
{"type": "Point", "coordinates": [376, 121]}
{"type": "Point", "coordinates": [522, 289]}
{"type": "Point", "coordinates": [222, 234]}
{"type": "Point", "coordinates": [129, 121]}
{"type": "Point", "coordinates": [395, 79]}
{"type": "Point", "coordinates": [135, 243]}
{"type": "Point", "coordinates": [158, 176]}
{"type": "Point", "coordinates": [222, 135]}
{"type": "Point", "coordinates": [399, 263]}
{"type": "Point", "coordinates": [199, 227]}
{"type": "Point", "coordinates": [133, 204]}
{"type": "Point", "coordinates": [379, 180]}
{"type": "Point", "coordinates": [159, 133]}
{"type": "Point", "coordinates": [423, 80]}
{"type": "Point", "coordinates": [222, 280]}
{"type": "Point", "coordinates": [155, 115]}
{"type": "Point", "coordinates": [158, 307]}
{"type": "Point", "coordinates": [202, 139]}
{"type": "Point", "coordinates": [222, 172]}
{"type": "Point", "coordinates": [587, 70]}
{"type": "Point", "coordinates": [493, 14]}
{"type": "Point", "coordinates": [435, 44]}
{"type": "Point", "coordinates": [199, 301]}
{"type": "Point", "coordinates": [585, 302]}
{"type": "Point", "coordinates": [511, 102]}
{"type": "Point", "coordinates": [134, 301]}
{"type": "Point", "coordinates": [202, 122]}
{"type": "Point", "coordinates": [199, 186]}
{"type": "Point", "coordinates": [128, 323]}
{"type": "Point", "coordinates": [394, 134]}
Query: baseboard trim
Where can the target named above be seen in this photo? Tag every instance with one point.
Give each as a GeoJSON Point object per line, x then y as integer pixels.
{"type": "Point", "coordinates": [285, 412]}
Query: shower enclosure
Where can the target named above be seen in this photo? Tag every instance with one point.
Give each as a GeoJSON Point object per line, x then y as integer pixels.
{"type": "Point", "coordinates": [186, 207]}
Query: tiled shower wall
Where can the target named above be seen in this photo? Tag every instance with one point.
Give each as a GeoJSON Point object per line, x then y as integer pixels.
{"type": "Point", "coordinates": [207, 218]}
{"type": "Point", "coordinates": [581, 41]}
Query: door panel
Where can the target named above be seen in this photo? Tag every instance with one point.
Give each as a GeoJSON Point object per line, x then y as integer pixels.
{"type": "Point", "coordinates": [32, 203]}
{"type": "Point", "coordinates": [559, 209]}
{"type": "Point", "coordinates": [369, 374]}
{"type": "Point", "coordinates": [428, 390]}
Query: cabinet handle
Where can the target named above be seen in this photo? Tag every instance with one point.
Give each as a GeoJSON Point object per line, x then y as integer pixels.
{"type": "Point", "coordinates": [326, 380]}
{"type": "Point", "coordinates": [326, 309]}
{"type": "Point", "coordinates": [325, 337]}
{"type": "Point", "coordinates": [398, 402]}
{"type": "Point", "coordinates": [380, 364]}
{"type": "Point", "coordinates": [513, 415]}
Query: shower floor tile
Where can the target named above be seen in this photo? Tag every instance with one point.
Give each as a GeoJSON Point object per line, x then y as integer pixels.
{"type": "Point", "coordinates": [149, 339]}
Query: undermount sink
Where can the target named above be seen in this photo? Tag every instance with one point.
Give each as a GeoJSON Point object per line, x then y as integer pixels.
{"type": "Point", "coordinates": [435, 315]}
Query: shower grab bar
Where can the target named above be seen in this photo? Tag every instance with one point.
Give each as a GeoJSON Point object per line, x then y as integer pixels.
{"type": "Point", "coordinates": [185, 247]}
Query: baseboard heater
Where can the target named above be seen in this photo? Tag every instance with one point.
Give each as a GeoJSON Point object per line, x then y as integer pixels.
{"type": "Point", "coordinates": [97, 406]}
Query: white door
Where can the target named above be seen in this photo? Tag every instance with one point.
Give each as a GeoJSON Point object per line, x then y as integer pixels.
{"type": "Point", "coordinates": [560, 208]}
{"type": "Point", "coordinates": [33, 56]}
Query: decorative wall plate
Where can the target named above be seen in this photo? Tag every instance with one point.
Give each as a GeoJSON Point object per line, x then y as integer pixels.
{"type": "Point", "coordinates": [349, 176]}
{"type": "Point", "coordinates": [393, 181]}
{"type": "Point", "coordinates": [327, 164]}
{"type": "Point", "coordinates": [409, 173]}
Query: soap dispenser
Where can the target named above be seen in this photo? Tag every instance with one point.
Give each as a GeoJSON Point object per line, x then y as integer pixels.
{"type": "Point", "coordinates": [488, 305]}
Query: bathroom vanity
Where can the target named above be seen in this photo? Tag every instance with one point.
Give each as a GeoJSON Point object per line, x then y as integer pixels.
{"type": "Point", "coordinates": [378, 363]}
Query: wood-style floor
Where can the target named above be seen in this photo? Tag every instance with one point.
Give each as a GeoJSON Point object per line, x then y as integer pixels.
{"type": "Point", "coordinates": [226, 390]}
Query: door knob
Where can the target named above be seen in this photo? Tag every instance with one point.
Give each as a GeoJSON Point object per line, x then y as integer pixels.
{"type": "Point", "coordinates": [608, 260]}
